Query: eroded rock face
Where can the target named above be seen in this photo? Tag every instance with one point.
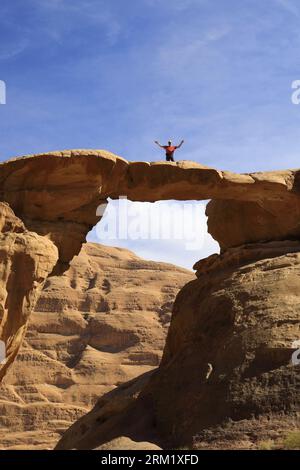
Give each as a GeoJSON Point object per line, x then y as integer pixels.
{"type": "Point", "coordinates": [241, 316]}
{"type": "Point", "coordinates": [227, 357]}
{"type": "Point", "coordinates": [106, 421]}
{"type": "Point", "coordinates": [57, 194]}
{"type": "Point", "coordinates": [124, 443]}
{"type": "Point", "coordinates": [232, 326]}
{"type": "Point", "coordinates": [100, 324]}
{"type": "Point", "coordinates": [235, 222]}
{"type": "Point", "coordinates": [26, 259]}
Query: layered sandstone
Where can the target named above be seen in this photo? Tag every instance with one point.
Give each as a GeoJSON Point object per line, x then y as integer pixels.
{"type": "Point", "coordinates": [227, 355]}
{"type": "Point", "coordinates": [100, 324]}
{"type": "Point", "coordinates": [26, 259]}
{"type": "Point", "coordinates": [226, 378]}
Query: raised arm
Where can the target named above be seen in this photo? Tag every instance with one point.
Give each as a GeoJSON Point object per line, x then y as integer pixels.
{"type": "Point", "coordinates": [178, 146]}
{"type": "Point", "coordinates": [157, 143]}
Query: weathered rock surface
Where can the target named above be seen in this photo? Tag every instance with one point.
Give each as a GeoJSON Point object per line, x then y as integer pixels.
{"type": "Point", "coordinates": [124, 443]}
{"type": "Point", "coordinates": [227, 359]}
{"type": "Point", "coordinates": [228, 351]}
{"type": "Point", "coordinates": [106, 421]}
{"type": "Point", "coordinates": [26, 259]}
{"type": "Point", "coordinates": [57, 194]}
{"type": "Point", "coordinates": [233, 223]}
{"type": "Point", "coordinates": [100, 324]}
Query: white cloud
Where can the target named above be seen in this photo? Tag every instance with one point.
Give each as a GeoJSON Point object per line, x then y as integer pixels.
{"type": "Point", "coordinates": [8, 51]}
{"type": "Point", "coordinates": [170, 231]}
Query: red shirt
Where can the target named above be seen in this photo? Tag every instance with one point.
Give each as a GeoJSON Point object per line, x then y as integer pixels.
{"type": "Point", "coordinates": [170, 149]}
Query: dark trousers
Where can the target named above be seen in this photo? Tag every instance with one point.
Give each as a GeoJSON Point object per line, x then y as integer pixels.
{"type": "Point", "coordinates": [170, 157]}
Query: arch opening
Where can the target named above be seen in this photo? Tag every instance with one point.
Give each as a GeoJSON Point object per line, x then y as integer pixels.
{"type": "Point", "coordinates": [169, 231]}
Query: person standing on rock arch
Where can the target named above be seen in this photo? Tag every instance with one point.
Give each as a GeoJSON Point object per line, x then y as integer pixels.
{"type": "Point", "coordinates": [170, 149]}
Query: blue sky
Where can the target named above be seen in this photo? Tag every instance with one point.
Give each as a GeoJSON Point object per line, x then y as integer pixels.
{"type": "Point", "coordinates": [118, 74]}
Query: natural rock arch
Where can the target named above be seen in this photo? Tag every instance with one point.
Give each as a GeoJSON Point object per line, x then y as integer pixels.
{"type": "Point", "coordinates": [49, 204]}
{"type": "Point", "coordinates": [57, 194]}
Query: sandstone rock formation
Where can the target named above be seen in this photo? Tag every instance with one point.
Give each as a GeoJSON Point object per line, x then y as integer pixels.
{"type": "Point", "coordinates": [57, 194]}
{"type": "Point", "coordinates": [226, 378]}
{"type": "Point", "coordinates": [228, 348]}
{"type": "Point", "coordinates": [26, 259]}
{"type": "Point", "coordinates": [100, 324]}
{"type": "Point", "coordinates": [124, 443]}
